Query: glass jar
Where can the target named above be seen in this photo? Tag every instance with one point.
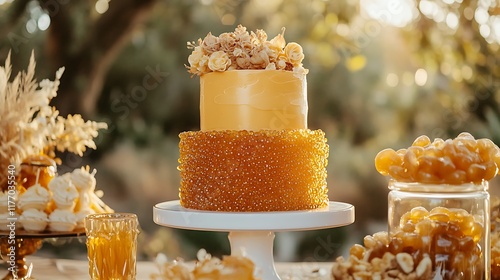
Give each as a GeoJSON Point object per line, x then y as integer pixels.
{"type": "Point", "coordinates": [495, 237]}
{"type": "Point", "coordinates": [449, 224]}
{"type": "Point", "coordinates": [37, 168]}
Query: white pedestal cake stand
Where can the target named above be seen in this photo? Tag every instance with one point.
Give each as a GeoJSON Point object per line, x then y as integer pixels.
{"type": "Point", "coordinates": [252, 233]}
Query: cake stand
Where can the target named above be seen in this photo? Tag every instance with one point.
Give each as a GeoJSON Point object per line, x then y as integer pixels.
{"type": "Point", "coordinates": [251, 234]}
{"type": "Point", "coordinates": [27, 243]}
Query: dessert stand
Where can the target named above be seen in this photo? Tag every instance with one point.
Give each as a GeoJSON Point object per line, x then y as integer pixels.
{"type": "Point", "coordinates": [251, 234]}
{"type": "Point", "coordinates": [27, 243]}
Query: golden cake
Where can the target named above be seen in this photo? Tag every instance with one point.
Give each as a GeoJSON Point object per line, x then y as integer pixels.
{"type": "Point", "coordinates": [254, 151]}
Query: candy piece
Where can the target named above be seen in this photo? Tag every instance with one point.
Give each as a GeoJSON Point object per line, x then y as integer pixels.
{"type": "Point", "coordinates": [454, 161]}
{"type": "Point", "coordinates": [442, 238]}
{"type": "Point", "coordinates": [267, 170]}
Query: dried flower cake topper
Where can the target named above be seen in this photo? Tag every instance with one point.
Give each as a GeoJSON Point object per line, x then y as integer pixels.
{"type": "Point", "coordinates": [241, 49]}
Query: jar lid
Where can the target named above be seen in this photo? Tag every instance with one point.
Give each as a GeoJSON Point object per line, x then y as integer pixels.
{"type": "Point", "coordinates": [437, 188]}
{"type": "Point", "coordinates": [39, 160]}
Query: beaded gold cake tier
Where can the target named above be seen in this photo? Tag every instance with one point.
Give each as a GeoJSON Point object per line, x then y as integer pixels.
{"type": "Point", "coordinates": [253, 171]}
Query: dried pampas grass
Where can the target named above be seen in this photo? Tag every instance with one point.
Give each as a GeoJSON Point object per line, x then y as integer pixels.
{"type": "Point", "coordinates": [30, 126]}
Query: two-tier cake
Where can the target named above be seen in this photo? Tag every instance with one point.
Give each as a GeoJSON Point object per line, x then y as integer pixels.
{"type": "Point", "coordinates": [254, 151]}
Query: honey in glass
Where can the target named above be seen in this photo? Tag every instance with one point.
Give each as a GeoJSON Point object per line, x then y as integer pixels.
{"type": "Point", "coordinates": [112, 245]}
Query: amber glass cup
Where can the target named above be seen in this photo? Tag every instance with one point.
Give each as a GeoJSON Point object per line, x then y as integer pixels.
{"type": "Point", "coordinates": [112, 245]}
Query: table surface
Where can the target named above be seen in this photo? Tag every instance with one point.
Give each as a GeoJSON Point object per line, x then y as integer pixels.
{"type": "Point", "coordinates": [61, 269]}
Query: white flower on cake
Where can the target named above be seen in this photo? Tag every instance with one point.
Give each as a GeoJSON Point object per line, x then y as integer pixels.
{"type": "Point", "coordinates": [219, 61]}
{"type": "Point", "coordinates": [294, 53]}
{"type": "Point", "coordinates": [211, 43]}
{"type": "Point", "coordinates": [243, 38]}
{"type": "Point", "coordinates": [34, 220]}
{"type": "Point", "coordinates": [242, 59]}
{"type": "Point", "coordinates": [281, 63]}
{"type": "Point", "coordinates": [259, 58]}
{"type": "Point", "coordinates": [36, 197]}
{"type": "Point", "coordinates": [244, 50]}
{"type": "Point", "coordinates": [277, 43]}
{"type": "Point", "coordinates": [227, 42]}
{"type": "Point", "coordinates": [198, 60]}
{"type": "Point", "coordinates": [271, 66]}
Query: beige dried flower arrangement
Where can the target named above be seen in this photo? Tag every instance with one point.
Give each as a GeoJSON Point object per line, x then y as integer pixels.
{"type": "Point", "coordinates": [30, 126]}
{"type": "Point", "coordinates": [243, 50]}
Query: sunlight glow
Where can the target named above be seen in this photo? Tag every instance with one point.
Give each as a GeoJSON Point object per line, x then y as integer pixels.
{"type": "Point", "coordinates": [228, 19]}
{"type": "Point", "coordinates": [421, 77]}
{"type": "Point", "coordinates": [452, 20]}
{"type": "Point", "coordinates": [408, 78]}
{"type": "Point", "coordinates": [481, 15]}
{"type": "Point", "coordinates": [101, 6]}
{"type": "Point", "coordinates": [392, 80]}
{"type": "Point", "coordinates": [445, 68]}
{"type": "Point", "coordinates": [343, 29]}
{"type": "Point", "coordinates": [394, 12]}
{"type": "Point", "coordinates": [467, 72]}
{"type": "Point", "coordinates": [489, 24]}
{"type": "Point", "coordinates": [484, 30]}
{"type": "Point", "coordinates": [432, 10]}
{"type": "Point", "coordinates": [457, 74]}
{"type": "Point", "coordinates": [469, 13]}
{"type": "Point", "coordinates": [38, 20]}
{"type": "Point", "coordinates": [496, 27]}
{"type": "Point", "coordinates": [43, 22]}
{"type": "Point", "coordinates": [31, 26]}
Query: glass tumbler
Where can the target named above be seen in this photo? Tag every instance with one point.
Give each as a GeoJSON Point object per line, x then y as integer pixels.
{"type": "Point", "coordinates": [112, 245]}
{"type": "Point", "coordinates": [447, 225]}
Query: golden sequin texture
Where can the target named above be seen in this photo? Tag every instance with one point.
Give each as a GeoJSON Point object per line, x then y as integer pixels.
{"type": "Point", "coordinates": [253, 171]}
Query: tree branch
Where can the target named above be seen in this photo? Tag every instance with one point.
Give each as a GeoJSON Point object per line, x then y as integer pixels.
{"type": "Point", "coordinates": [118, 21]}
{"type": "Point", "coordinates": [60, 34]}
{"type": "Point", "coordinates": [94, 56]}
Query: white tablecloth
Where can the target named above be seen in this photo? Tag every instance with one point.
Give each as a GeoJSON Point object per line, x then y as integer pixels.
{"type": "Point", "coordinates": [60, 269]}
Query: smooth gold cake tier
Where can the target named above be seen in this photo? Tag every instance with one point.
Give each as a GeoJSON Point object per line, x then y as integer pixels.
{"type": "Point", "coordinates": [253, 171]}
{"type": "Point", "coordinates": [253, 100]}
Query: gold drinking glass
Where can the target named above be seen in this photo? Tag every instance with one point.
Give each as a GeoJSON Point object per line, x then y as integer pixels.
{"type": "Point", "coordinates": [112, 245]}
